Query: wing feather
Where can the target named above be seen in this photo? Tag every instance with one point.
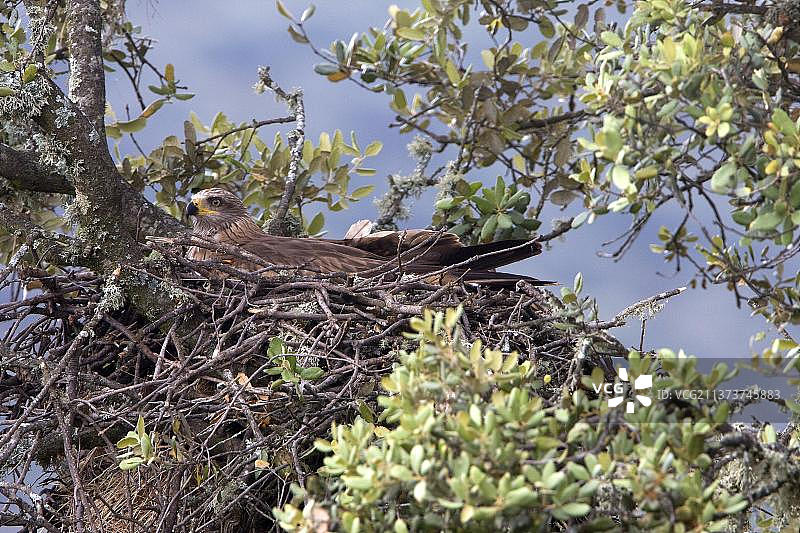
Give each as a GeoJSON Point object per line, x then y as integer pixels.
{"type": "Point", "coordinates": [443, 249]}
{"type": "Point", "coordinates": [426, 251]}
{"type": "Point", "coordinates": [313, 253]}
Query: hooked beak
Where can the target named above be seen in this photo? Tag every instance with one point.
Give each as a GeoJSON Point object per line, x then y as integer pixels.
{"type": "Point", "coordinates": [197, 207]}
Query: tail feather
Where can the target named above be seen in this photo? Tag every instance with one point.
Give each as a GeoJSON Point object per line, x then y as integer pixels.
{"type": "Point", "coordinates": [501, 279]}
{"type": "Point", "coordinates": [506, 252]}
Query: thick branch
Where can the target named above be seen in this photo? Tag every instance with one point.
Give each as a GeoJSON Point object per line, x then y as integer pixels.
{"type": "Point", "coordinates": [107, 201]}
{"type": "Point", "coordinates": [23, 172]}
{"type": "Point", "coordinates": [87, 86]}
{"type": "Point", "coordinates": [112, 217]}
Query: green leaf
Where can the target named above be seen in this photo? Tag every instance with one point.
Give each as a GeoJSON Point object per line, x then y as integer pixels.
{"type": "Point", "coordinates": [399, 99]}
{"type": "Point", "coordinates": [373, 148]}
{"type": "Point", "coordinates": [784, 122]}
{"type": "Point", "coordinates": [296, 35]}
{"type": "Point", "coordinates": [7, 91]}
{"type": "Point", "coordinates": [546, 27]}
{"type": "Point", "coordinates": [275, 346]}
{"type": "Point", "coordinates": [580, 219]}
{"type": "Point", "coordinates": [577, 283]}
{"type": "Point", "coordinates": [130, 463]}
{"type": "Point", "coordinates": [488, 58]}
{"type": "Point", "coordinates": [766, 221]}
{"type": "Point", "coordinates": [169, 72]}
{"type": "Point", "coordinates": [112, 131]}
{"type": "Point", "coordinates": [324, 142]}
{"type": "Point", "coordinates": [519, 199]}
{"type": "Point", "coordinates": [421, 490]}
{"type": "Point", "coordinates": [308, 13]}
{"type": "Point", "coordinates": [696, 445]}
{"type": "Point", "coordinates": [517, 23]}
{"type": "Point", "coordinates": [416, 456]}
{"type": "Point", "coordinates": [7, 66]}
{"type": "Point", "coordinates": [326, 69]}
{"type": "Point", "coordinates": [127, 442]}
{"type": "Point", "coordinates": [283, 11]}
{"type": "Point", "coordinates": [323, 445]}
{"type": "Point", "coordinates": [357, 482]}
{"type": "Point", "coordinates": [452, 72]}
{"type": "Point", "coordinates": [499, 189]}
{"type": "Point", "coordinates": [316, 224]}
{"type": "Point", "coordinates": [521, 497]}
{"type": "Point", "coordinates": [151, 109]}
{"type": "Point", "coordinates": [147, 446]}
{"type": "Point", "coordinates": [562, 197]}
{"type": "Point", "coordinates": [745, 217]}
{"type": "Point", "coordinates": [734, 508]}
{"type": "Point", "coordinates": [793, 405]}
{"type": "Point", "coordinates": [621, 177]}
{"type": "Point", "coordinates": [769, 435]}
{"type": "Point", "coordinates": [445, 203]}
{"type": "Point", "coordinates": [721, 181]}
{"type": "Point", "coordinates": [312, 373]}
{"type": "Point", "coordinates": [504, 221]}
{"type": "Point", "coordinates": [611, 39]}
{"type": "Point", "coordinates": [575, 509]}
{"type": "Point", "coordinates": [362, 192]}
{"type": "Point", "coordinates": [412, 34]}
{"type": "Point", "coordinates": [29, 73]}
{"type": "Point", "coordinates": [578, 471]}
{"type": "Point", "coordinates": [159, 90]}
{"type": "Point", "coordinates": [132, 126]}
{"type": "Point", "coordinates": [495, 141]}
{"type": "Point", "coordinates": [547, 443]}
{"type": "Point", "coordinates": [401, 472]}
{"type": "Point", "coordinates": [488, 229]}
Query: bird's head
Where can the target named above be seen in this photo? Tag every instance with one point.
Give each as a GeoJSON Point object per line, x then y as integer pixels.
{"type": "Point", "coordinates": [214, 209]}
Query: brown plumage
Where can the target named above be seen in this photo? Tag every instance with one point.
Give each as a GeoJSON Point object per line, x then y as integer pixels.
{"type": "Point", "coordinates": [220, 216]}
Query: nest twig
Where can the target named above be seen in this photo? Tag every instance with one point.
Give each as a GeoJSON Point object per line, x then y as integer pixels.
{"type": "Point", "coordinates": [233, 386]}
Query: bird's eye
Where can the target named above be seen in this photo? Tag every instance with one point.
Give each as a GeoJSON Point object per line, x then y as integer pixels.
{"type": "Point", "coordinates": [215, 202]}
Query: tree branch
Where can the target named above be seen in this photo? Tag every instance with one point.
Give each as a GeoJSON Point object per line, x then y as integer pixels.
{"type": "Point", "coordinates": [294, 100]}
{"type": "Point", "coordinates": [562, 227]}
{"type": "Point", "coordinates": [41, 244]}
{"type": "Point", "coordinates": [23, 172]}
{"type": "Point", "coordinates": [87, 86]}
{"type": "Point", "coordinates": [733, 8]}
{"type": "Point", "coordinates": [112, 217]}
{"type": "Point", "coordinates": [105, 200]}
{"type": "Point", "coordinates": [536, 123]}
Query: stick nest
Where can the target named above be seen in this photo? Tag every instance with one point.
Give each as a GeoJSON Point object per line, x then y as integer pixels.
{"type": "Point", "coordinates": [229, 390]}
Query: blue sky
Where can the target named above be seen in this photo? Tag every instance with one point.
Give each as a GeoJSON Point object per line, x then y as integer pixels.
{"type": "Point", "coordinates": [216, 48]}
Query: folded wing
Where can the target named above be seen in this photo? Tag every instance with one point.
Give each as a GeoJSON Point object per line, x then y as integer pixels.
{"type": "Point", "coordinates": [368, 255]}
